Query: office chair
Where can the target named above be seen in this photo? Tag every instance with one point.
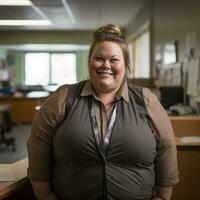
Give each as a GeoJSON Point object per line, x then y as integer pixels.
{"type": "Point", "coordinates": [6, 126]}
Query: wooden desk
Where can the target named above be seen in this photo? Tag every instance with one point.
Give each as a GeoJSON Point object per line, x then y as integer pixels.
{"type": "Point", "coordinates": [188, 155]}
{"type": "Point", "coordinates": [186, 125]}
{"type": "Point", "coordinates": [17, 185]}
{"type": "Point", "coordinates": [23, 108]}
{"type": "Point", "coordinates": [189, 167]}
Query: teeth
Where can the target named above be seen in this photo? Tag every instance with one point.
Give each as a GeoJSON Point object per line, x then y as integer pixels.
{"type": "Point", "coordinates": [104, 73]}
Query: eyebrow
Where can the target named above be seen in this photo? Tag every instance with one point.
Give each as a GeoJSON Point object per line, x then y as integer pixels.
{"type": "Point", "coordinates": [99, 54]}
{"type": "Point", "coordinates": [115, 55]}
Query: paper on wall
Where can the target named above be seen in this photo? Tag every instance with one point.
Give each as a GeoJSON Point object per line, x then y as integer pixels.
{"type": "Point", "coordinates": [193, 77]}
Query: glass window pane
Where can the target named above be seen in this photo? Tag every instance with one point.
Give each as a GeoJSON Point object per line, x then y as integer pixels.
{"type": "Point", "coordinates": [141, 56]}
{"type": "Point", "coordinates": [37, 68]}
{"type": "Point", "coordinates": [63, 68]}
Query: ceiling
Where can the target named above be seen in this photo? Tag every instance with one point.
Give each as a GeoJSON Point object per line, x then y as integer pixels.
{"type": "Point", "coordinates": [72, 14]}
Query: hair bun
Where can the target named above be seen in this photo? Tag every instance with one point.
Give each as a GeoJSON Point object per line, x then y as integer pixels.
{"type": "Point", "coordinates": [108, 29]}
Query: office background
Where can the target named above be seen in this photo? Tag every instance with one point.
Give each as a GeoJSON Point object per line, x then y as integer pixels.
{"type": "Point", "coordinates": [168, 34]}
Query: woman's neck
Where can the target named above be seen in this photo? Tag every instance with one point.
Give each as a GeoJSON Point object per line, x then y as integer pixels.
{"type": "Point", "coordinates": [106, 97]}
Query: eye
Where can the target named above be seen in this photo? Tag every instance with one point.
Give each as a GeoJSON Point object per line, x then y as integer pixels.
{"type": "Point", "coordinates": [114, 60]}
{"type": "Point", "coordinates": [98, 58]}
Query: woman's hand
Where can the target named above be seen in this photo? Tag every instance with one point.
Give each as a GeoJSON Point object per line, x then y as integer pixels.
{"type": "Point", "coordinates": [42, 190]}
{"type": "Point", "coordinates": [163, 193]}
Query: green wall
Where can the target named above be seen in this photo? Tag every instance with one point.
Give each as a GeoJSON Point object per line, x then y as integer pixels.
{"type": "Point", "coordinates": [18, 66]}
{"type": "Point", "coordinates": [82, 65]}
{"type": "Point", "coordinates": [3, 54]}
{"type": "Point", "coordinates": [45, 37]}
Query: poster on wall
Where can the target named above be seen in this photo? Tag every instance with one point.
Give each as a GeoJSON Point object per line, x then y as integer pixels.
{"type": "Point", "coordinates": [4, 75]}
{"type": "Point", "coordinates": [171, 75]}
{"type": "Point", "coordinates": [190, 41]}
{"type": "Point", "coordinates": [193, 67]}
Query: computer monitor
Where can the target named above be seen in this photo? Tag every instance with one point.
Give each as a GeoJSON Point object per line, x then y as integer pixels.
{"type": "Point", "coordinates": [170, 95]}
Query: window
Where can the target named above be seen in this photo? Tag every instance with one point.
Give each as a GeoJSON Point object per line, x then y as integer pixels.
{"type": "Point", "coordinates": [37, 68]}
{"type": "Point", "coordinates": [140, 55]}
{"type": "Point", "coordinates": [62, 66]}
{"type": "Point", "coordinates": [50, 68]}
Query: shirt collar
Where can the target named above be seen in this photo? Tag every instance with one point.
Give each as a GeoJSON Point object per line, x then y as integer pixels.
{"type": "Point", "coordinates": [123, 91]}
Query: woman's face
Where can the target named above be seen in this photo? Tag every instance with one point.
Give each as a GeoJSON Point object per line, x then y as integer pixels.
{"type": "Point", "coordinates": [107, 66]}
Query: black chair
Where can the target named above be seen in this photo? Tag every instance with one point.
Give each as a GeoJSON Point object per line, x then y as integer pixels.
{"type": "Point", "coordinates": [6, 126]}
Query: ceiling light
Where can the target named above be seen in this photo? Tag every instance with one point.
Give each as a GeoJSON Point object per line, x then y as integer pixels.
{"type": "Point", "coordinates": [15, 3]}
{"type": "Point", "coordinates": [25, 22]}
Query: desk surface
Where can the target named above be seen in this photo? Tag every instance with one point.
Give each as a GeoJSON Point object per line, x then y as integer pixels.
{"type": "Point", "coordinates": [12, 177]}
{"type": "Point", "coordinates": [185, 118]}
{"type": "Point", "coordinates": [189, 143]}
{"type": "Point", "coordinates": [31, 95]}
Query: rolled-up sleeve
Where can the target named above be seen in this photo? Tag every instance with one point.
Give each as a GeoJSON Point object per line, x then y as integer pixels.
{"type": "Point", "coordinates": [166, 167]}
{"type": "Point", "coordinates": [43, 128]}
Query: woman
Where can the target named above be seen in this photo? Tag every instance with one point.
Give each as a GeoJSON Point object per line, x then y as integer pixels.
{"type": "Point", "coordinates": [103, 138]}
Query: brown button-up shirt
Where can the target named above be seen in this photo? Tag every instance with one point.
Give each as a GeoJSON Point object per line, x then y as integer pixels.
{"type": "Point", "coordinates": [52, 113]}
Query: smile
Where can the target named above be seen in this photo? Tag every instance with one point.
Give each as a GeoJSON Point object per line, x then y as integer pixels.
{"type": "Point", "coordinates": [103, 72]}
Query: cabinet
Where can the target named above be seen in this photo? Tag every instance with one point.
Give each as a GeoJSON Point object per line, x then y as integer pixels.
{"type": "Point", "coordinates": [188, 155]}
{"type": "Point", "coordinates": [189, 167]}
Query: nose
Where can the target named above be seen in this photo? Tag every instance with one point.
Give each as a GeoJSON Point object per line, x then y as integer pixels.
{"type": "Point", "coordinates": [106, 64]}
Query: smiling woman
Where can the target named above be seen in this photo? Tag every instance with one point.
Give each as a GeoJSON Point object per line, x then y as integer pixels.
{"type": "Point", "coordinates": [103, 138]}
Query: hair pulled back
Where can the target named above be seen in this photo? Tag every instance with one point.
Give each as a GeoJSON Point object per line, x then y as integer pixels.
{"type": "Point", "coordinates": [110, 32]}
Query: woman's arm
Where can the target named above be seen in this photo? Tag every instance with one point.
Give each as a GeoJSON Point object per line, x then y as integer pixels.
{"type": "Point", "coordinates": [163, 193]}
{"type": "Point", "coordinates": [39, 144]}
{"type": "Point", "coordinates": [166, 168]}
{"type": "Point", "coordinates": [42, 190]}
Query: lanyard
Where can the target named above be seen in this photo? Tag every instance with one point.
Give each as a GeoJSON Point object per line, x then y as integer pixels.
{"type": "Point", "coordinates": [105, 142]}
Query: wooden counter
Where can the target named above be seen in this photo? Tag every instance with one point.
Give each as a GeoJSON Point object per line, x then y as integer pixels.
{"type": "Point", "coordinates": [186, 125]}
{"type": "Point", "coordinates": [188, 155]}
{"type": "Point", "coordinates": [23, 108]}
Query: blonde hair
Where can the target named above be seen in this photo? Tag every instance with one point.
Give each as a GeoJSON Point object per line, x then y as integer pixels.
{"type": "Point", "coordinates": [113, 33]}
{"type": "Point", "coordinates": [108, 29]}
